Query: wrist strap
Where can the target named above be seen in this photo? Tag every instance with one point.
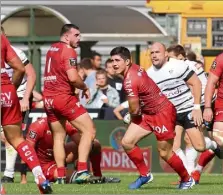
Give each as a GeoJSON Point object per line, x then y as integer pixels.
{"type": "Point", "coordinates": [197, 107]}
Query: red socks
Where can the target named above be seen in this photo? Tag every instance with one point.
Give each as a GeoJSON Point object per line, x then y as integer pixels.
{"type": "Point", "coordinates": [96, 164]}
{"type": "Point", "coordinates": [61, 171]}
{"type": "Point", "coordinates": [176, 163]}
{"type": "Point", "coordinates": [205, 158]}
{"type": "Point", "coordinates": [82, 166]}
{"type": "Point", "coordinates": [28, 154]}
{"type": "Point", "coordinates": [136, 157]}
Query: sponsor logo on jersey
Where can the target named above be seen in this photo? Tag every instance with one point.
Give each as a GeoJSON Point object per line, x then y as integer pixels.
{"type": "Point", "coordinates": [32, 134]}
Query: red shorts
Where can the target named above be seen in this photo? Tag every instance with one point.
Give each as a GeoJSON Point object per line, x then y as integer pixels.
{"type": "Point", "coordinates": [63, 106]}
{"type": "Point", "coordinates": [161, 124]}
{"type": "Point", "coordinates": [218, 110]}
{"type": "Point", "coordinates": [49, 169]}
{"type": "Point", "coordinates": [10, 107]}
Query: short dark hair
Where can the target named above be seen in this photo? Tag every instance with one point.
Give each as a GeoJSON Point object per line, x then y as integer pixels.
{"type": "Point", "coordinates": [66, 27]}
{"type": "Point", "coordinates": [86, 63]}
{"type": "Point", "coordinates": [191, 56]}
{"type": "Point", "coordinates": [123, 52]}
{"type": "Point", "coordinates": [177, 50]}
{"type": "Point", "coordinates": [94, 53]}
{"type": "Point", "coordinates": [109, 60]}
{"type": "Point", "coordinates": [101, 71]}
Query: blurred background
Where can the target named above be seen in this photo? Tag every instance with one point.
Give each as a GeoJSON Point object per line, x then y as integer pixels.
{"type": "Point", "coordinates": [33, 25]}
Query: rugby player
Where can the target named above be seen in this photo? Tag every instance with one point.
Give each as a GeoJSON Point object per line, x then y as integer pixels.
{"type": "Point", "coordinates": [149, 110]}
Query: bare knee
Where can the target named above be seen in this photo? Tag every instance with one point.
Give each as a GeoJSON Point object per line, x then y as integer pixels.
{"type": "Point", "coordinates": [127, 144]}
{"type": "Point", "coordinates": [200, 147]}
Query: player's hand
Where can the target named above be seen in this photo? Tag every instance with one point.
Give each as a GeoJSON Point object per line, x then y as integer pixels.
{"type": "Point", "coordinates": [24, 104]}
{"type": "Point", "coordinates": [197, 117]}
{"type": "Point", "coordinates": [208, 114]}
{"type": "Point", "coordinates": [86, 94]}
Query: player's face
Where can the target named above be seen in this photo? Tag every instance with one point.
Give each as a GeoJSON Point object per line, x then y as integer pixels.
{"type": "Point", "coordinates": [101, 80]}
{"type": "Point", "coordinates": [119, 64]}
{"type": "Point", "coordinates": [74, 37]}
{"type": "Point", "coordinates": [110, 70]}
{"type": "Point", "coordinates": [158, 56]}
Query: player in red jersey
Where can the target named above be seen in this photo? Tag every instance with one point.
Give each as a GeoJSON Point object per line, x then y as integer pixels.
{"type": "Point", "coordinates": [40, 136]}
{"type": "Point", "coordinates": [215, 76]}
{"type": "Point", "coordinates": [60, 80]}
{"type": "Point", "coordinates": [11, 116]}
{"type": "Point", "coordinates": [150, 112]}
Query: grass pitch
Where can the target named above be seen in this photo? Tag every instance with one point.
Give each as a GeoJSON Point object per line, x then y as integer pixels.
{"type": "Point", "coordinates": [209, 184]}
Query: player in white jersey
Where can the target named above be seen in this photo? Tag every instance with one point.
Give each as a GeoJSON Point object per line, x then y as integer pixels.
{"type": "Point", "coordinates": [178, 52]}
{"type": "Point", "coordinates": [174, 78]}
{"type": "Point", "coordinates": [24, 93]}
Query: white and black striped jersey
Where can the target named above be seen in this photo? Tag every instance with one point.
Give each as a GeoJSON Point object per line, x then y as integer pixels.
{"type": "Point", "coordinates": [22, 88]}
{"type": "Point", "coordinates": [201, 75]}
{"type": "Point", "coordinates": [171, 79]}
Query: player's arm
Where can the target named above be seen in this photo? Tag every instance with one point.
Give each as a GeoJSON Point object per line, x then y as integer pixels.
{"type": "Point", "coordinates": [71, 69]}
{"type": "Point", "coordinates": [196, 86]}
{"type": "Point", "coordinates": [31, 80]}
{"type": "Point", "coordinates": [190, 77]}
{"type": "Point", "coordinates": [210, 89]}
{"type": "Point", "coordinates": [213, 77]}
{"type": "Point", "coordinates": [119, 108]}
{"type": "Point", "coordinates": [16, 64]}
{"type": "Point", "coordinates": [132, 97]}
{"type": "Point", "coordinates": [37, 96]}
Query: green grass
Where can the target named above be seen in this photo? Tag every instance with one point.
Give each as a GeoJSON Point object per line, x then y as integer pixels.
{"type": "Point", "coordinates": [209, 184]}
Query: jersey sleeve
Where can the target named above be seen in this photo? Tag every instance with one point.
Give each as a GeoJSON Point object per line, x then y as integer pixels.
{"type": "Point", "coordinates": [10, 53]}
{"type": "Point", "coordinates": [70, 129]}
{"type": "Point", "coordinates": [217, 66]}
{"type": "Point", "coordinates": [183, 70]}
{"type": "Point", "coordinates": [125, 104]}
{"type": "Point", "coordinates": [35, 131]}
{"type": "Point", "coordinates": [131, 86]}
{"type": "Point", "coordinates": [69, 59]}
{"type": "Point", "coordinates": [21, 55]}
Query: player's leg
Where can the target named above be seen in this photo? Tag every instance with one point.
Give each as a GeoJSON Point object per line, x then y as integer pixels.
{"type": "Point", "coordinates": [11, 123]}
{"type": "Point", "coordinates": [59, 135]}
{"type": "Point", "coordinates": [177, 144]}
{"type": "Point", "coordinates": [10, 154]}
{"type": "Point", "coordinates": [87, 128]}
{"type": "Point", "coordinates": [133, 134]}
{"type": "Point", "coordinates": [218, 133]}
{"type": "Point", "coordinates": [190, 153]}
{"type": "Point", "coordinates": [165, 148]}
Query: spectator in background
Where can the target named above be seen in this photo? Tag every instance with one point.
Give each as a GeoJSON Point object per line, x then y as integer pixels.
{"type": "Point", "coordinates": [114, 80]}
{"type": "Point", "coordinates": [89, 72]}
{"type": "Point", "coordinates": [96, 60]}
{"type": "Point", "coordinates": [104, 95]}
{"type": "Point", "coordinates": [191, 56]}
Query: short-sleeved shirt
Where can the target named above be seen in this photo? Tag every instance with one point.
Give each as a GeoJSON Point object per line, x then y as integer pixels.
{"type": "Point", "coordinates": [171, 79]}
{"type": "Point", "coordinates": [22, 87]}
{"type": "Point", "coordinates": [217, 69]}
{"type": "Point", "coordinates": [7, 53]}
{"type": "Point", "coordinates": [137, 84]}
{"type": "Point", "coordinates": [40, 134]}
{"type": "Point", "coordinates": [59, 59]}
